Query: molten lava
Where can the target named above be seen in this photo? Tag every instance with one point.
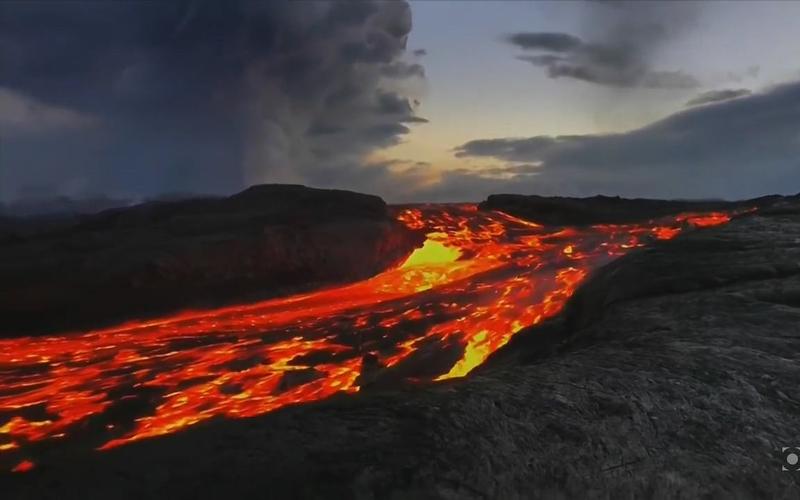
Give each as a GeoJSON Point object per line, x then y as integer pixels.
{"type": "Point", "coordinates": [479, 278]}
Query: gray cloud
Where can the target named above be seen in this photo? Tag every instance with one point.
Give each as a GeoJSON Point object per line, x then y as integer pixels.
{"type": "Point", "coordinates": [625, 36]}
{"type": "Point", "coordinates": [405, 163]}
{"type": "Point", "coordinates": [510, 149]}
{"type": "Point", "coordinates": [389, 103]}
{"type": "Point", "coordinates": [737, 148]}
{"type": "Point", "coordinates": [555, 42]}
{"type": "Point", "coordinates": [717, 96]}
{"type": "Point", "coordinates": [402, 69]}
{"type": "Point", "coordinates": [203, 96]}
{"type": "Point", "coordinates": [616, 66]}
{"type": "Point", "coordinates": [22, 115]}
{"type": "Point", "coordinates": [748, 73]}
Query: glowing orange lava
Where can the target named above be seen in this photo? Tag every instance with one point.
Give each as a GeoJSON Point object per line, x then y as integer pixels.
{"type": "Point", "coordinates": [23, 466]}
{"type": "Point", "coordinates": [479, 278]}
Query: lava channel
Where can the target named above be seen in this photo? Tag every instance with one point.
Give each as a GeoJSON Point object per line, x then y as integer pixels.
{"type": "Point", "coordinates": [479, 278]}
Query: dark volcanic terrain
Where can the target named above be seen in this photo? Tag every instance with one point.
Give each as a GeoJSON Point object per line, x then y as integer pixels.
{"type": "Point", "coordinates": [565, 211]}
{"type": "Point", "coordinates": [671, 373]}
{"type": "Point", "coordinates": [97, 269]}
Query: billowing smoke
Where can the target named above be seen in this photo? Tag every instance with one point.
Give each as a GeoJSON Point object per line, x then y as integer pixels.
{"type": "Point", "coordinates": [139, 98]}
{"type": "Point", "coordinates": [328, 97]}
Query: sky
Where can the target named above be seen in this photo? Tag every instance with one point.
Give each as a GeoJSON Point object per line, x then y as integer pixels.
{"type": "Point", "coordinates": [414, 101]}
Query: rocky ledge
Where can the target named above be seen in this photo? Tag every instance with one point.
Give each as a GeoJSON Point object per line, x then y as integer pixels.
{"type": "Point", "coordinates": [671, 374]}
{"type": "Point", "coordinates": [161, 256]}
{"type": "Point", "coordinates": [561, 211]}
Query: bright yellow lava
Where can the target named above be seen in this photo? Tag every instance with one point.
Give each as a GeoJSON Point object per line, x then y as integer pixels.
{"type": "Point", "coordinates": [431, 253]}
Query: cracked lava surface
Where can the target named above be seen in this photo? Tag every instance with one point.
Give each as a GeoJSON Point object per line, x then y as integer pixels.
{"type": "Point", "coordinates": [479, 278]}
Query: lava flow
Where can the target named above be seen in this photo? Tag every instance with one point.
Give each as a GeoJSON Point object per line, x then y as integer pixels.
{"type": "Point", "coordinates": [479, 278]}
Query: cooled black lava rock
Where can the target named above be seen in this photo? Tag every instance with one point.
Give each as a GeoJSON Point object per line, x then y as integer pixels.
{"type": "Point", "coordinates": [562, 211]}
{"type": "Point", "coordinates": [160, 256]}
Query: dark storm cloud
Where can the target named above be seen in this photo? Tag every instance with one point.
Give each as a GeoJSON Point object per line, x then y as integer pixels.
{"type": "Point", "coordinates": [737, 148]}
{"type": "Point", "coordinates": [555, 42]}
{"type": "Point", "coordinates": [390, 103]}
{"type": "Point", "coordinates": [401, 69]}
{"type": "Point", "coordinates": [508, 149]}
{"type": "Point", "coordinates": [617, 66]}
{"type": "Point", "coordinates": [319, 129]}
{"type": "Point", "coordinates": [717, 96]}
{"type": "Point", "coordinates": [618, 54]}
{"type": "Point", "coordinates": [146, 97]}
{"type": "Point", "coordinates": [384, 134]}
{"type": "Point", "coordinates": [21, 115]}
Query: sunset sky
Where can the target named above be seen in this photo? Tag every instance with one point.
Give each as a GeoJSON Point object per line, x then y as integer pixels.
{"type": "Point", "coordinates": [420, 101]}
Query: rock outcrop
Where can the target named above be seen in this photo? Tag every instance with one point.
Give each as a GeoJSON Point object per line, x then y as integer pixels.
{"type": "Point", "coordinates": [563, 211]}
{"type": "Point", "coordinates": [161, 256]}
